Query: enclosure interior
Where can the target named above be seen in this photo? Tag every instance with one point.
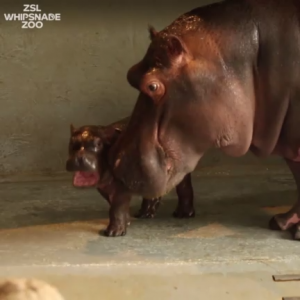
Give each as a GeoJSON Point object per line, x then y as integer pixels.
{"type": "Point", "coordinates": [74, 71]}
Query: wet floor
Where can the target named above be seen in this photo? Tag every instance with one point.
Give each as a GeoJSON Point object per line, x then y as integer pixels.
{"type": "Point", "coordinates": [51, 230]}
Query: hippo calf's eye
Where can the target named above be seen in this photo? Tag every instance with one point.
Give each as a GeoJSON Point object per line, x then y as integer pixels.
{"type": "Point", "coordinates": [98, 143]}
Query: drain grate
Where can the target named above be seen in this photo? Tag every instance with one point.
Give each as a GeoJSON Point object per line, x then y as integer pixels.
{"type": "Point", "coordinates": [288, 277]}
{"type": "Point", "coordinates": [291, 277]}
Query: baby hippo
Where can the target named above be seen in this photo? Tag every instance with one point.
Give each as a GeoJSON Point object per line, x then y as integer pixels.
{"type": "Point", "coordinates": [89, 147]}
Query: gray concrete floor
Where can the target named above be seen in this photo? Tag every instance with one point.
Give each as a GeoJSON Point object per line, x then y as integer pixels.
{"type": "Point", "coordinates": [49, 230]}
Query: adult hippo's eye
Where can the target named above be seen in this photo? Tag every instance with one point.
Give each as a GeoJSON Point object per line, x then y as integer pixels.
{"type": "Point", "coordinates": [154, 90]}
{"type": "Point", "coordinates": [153, 87]}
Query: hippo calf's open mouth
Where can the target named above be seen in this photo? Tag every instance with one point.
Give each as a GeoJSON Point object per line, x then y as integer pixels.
{"type": "Point", "coordinates": [85, 179]}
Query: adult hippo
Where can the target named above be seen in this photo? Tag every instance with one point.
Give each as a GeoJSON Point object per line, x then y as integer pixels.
{"type": "Point", "coordinates": [226, 76]}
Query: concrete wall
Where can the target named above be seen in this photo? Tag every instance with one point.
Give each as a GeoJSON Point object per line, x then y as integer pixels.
{"type": "Point", "coordinates": [71, 71]}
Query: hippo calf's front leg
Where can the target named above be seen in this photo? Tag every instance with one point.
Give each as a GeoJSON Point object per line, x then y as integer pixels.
{"type": "Point", "coordinates": [290, 219]}
{"type": "Point", "coordinates": [118, 215]}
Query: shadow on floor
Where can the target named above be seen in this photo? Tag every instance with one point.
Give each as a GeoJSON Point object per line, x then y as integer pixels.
{"type": "Point", "coordinates": [51, 203]}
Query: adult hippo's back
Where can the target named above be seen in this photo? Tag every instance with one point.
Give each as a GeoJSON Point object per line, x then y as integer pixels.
{"type": "Point", "coordinates": [225, 76]}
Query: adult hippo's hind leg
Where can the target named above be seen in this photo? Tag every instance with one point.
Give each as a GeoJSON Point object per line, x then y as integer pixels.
{"type": "Point", "coordinates": [292, 217]}
{"type": "Point", "coordinates": [297, 232]}
{"type": "Point", "coordinates": [185, 192]}
{"type": "Point", "coordinates": [148, 208]}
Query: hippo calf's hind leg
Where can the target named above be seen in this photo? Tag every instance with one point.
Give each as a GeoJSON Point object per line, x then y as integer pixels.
{"type": "Point", "coordinates": [292, 217]}
{"type": "Point", "coordinates": [185, 192]}
{"type": "Point", "coordinates": [148, 208]}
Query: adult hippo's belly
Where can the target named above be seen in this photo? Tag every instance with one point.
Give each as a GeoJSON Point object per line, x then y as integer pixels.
{"type": "Point", "coordinates": [221, 76]}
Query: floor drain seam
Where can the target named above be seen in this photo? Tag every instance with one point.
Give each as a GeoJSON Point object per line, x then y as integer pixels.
{"type": "Point", "coordinates": [287, 277]}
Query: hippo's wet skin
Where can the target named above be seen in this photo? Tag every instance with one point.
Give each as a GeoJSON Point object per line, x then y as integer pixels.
{"type": "Point", "coordinates": [226, 76]}
{"type": "Point", "coordinates": [88, 152]}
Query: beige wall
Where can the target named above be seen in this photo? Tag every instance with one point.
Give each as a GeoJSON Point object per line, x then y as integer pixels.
{"type": "Point", "coordinates": [71, 71]}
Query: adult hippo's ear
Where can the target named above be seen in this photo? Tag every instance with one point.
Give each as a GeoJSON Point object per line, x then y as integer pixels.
{"type": "Point", "coordinates": [176, 48]}
{"type": "Point", "coordinates": [152, 32]}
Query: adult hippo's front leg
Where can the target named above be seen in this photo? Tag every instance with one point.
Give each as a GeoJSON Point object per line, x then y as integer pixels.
{"type": "Point", "coordinates": [185, 192]}
{"type": "Point", "coordinates": [148, 208]}
{"type": "Point", "coordinates": [185, 206]}
{"type": "Point", "coordinates": [292, 217]}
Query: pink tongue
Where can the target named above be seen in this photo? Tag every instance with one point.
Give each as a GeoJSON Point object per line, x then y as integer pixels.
{"type": "Point", "coordinates": [84, 179]}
